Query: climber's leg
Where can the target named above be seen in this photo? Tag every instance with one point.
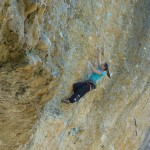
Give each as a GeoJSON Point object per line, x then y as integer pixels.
{"type": "Point", "coordinates": [79, 88]}
{"type": "Point", "coordinates": [78, 85]}
{"type": "Point", "coordinates": [79, 93]}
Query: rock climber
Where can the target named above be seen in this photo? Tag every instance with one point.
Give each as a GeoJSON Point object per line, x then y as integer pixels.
{"type": "Point", "coordinates": [81, 88]}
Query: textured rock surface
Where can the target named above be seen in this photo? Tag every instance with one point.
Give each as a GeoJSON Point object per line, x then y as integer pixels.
{"type": "Point", "coordinates": [44, 46]}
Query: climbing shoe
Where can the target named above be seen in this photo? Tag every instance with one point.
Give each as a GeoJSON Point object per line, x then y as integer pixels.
{"type": "Point", "coordinates": [65, 101]}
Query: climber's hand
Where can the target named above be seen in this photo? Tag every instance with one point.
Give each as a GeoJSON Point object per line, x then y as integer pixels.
{"type": "Point", "coordinates": [89, 63]}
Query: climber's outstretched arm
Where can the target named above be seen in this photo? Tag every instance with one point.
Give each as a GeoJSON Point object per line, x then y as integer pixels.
{"type": "Point", "coordinates": [99, 56]}
{"type": "Point", "coordinates": [93, 69]}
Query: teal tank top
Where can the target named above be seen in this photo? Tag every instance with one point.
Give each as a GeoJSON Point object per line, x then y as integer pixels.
{"type": "Point", "coordinates": [95, 77]}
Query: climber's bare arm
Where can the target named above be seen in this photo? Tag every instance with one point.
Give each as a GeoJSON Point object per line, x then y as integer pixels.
{"type": "Point", "coordinates": [93, 69]}
{"type": "Point", "coordinates": [99, 56]}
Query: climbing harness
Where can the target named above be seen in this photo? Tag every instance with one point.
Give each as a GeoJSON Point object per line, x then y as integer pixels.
{"type": "Point", "coordinates": [92, 84]}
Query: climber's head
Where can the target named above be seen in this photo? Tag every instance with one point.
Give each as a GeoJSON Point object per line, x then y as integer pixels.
{"type": "Point", "coordinates": [105, 68]}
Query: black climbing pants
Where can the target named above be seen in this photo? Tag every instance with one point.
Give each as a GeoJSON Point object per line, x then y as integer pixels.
{"type": "Point", "coordinates": [80, 89]}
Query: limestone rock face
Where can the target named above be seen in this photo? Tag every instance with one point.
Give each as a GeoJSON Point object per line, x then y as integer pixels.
{"type": "Point", "coordinates": [45, 45]}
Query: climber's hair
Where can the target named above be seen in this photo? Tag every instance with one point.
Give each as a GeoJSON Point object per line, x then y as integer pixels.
{"type": "Point", "coordinates": [106, 69]}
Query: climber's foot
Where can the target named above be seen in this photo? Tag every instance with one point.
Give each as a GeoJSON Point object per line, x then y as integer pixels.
{"type": "Point", "coordinates": [65, 101]}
